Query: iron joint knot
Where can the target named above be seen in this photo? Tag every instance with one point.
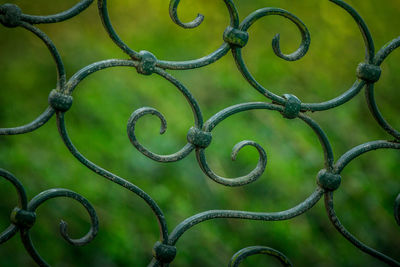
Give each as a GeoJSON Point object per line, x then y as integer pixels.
{"type": "Point", "coordinates": [368, 72]}
{"type": "Point", "coordinates": [328, 180]}
{"type": "Point", "coordinates": [292, 106]}
{"type": "Point", "coordinates": [10, 15]}
{"type": "Point", "coordinates": [147, 63]}
{"type": "Point", "coordinates": [199, 138]}
{"type": "Point", "coordinates": [164, 253]}
{"type": "Point", "coordinates": [235, 37]}
{"type": "Point", "coordinates": [23, 218]}
{"type": "Point", "coordinates": [60, 101]}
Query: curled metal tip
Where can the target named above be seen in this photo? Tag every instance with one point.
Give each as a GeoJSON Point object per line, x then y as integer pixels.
{"type": "Point", "coordinates": [173, 13]}
{"type": "Point", "coordinates": [268, 11]}
{"type": "Point", "coordinates": [56, 193]}
{"type": "Point", "coordinates": [81, 241]}
{"type": "Point", "coordinates": [239, 146]}
{"type": "Point", "coordinates": [298, 54]}
{"type": "Point", "coordinates": [397, 209]}
{"type": "Point", "coordinates": [136, 115]}
{"type": "Point", "coordinates": [238, 181]}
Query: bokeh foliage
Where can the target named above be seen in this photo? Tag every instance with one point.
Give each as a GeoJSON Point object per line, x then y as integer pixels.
{"type": "Point", "coordinates": [104, 101]}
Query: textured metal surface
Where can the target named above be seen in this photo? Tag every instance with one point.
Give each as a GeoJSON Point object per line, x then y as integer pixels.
{"type": "Point", "coordinates": [235, 37]}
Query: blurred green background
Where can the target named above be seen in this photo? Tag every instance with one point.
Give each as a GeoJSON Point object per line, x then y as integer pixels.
{"type": "Point", "coordinates": [104, 101]}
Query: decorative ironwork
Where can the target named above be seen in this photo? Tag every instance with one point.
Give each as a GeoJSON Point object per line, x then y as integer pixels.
{"type": "Point", "coordinates": [200, 135]}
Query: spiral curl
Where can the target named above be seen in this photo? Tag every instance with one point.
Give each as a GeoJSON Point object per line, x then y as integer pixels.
{"type": "Point", "coordinates": [136, 115]}
{"type": "Point", "coordinates": [49, 112]}
{"type": "Point", "coordinates": [173, 13]}
{"type": "Point", "coordinates": [298, 54]}
{"type": "Point", "coordinates": [268, 11]}
{"type": "Point", "coordinates": [239, 181]}
{"type": "Point", "coordinates": [60, 192]}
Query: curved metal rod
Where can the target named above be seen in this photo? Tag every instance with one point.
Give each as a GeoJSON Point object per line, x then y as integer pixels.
{"type": "Point", "coordinates": [132, 137]}
{"type": "Point", "coordinates": [369, 93]}
{"type": "Point", "coordinates": [30, 248]}
{"type": "Point", "coordinates": [238, 181]}
{"type": "Point", "coordinates": [7, 234]}
{"type": "Point", "coordinates": [22, 199]}
{"type": "Point", "coordinates": [349, 94]}
{"type": "Point", "coordinates": [249, 251]}
{"type": "Point", "coordinates": [386, 50]}
{"type": "Point", "coordinates": [22, 203]}
{"type": "Point", "coordinates": [72, 12]}
{"type": "Point", "coordinates": [53, 193]}
{"type": "Point", "coordinates": [198, 117]}
{"type": "Point", "coordinates": [369, 57]}
{"type": "Point", "coordinates": [323, 139]}
{"type": "Point", "coordinates": [346, 234]}
{"type": "Point", "coordinates": [61, 192]}
{"type": "Point", "coordinates": [83, 73]}
{"type": "Point", "coordinates": [353, 153]}
{"type": "Point", "coordinates": [262, 161]}
{"type": "Point", "coordinates": [61, 77]}
{"type": "Point", "coordinates": [268, 11]}
{"type": "Point", "coordinates": [105, 19]}
{"type": "Point", "coordinates": [114, 178]}
{"type": "Point", "coordinates": [397, 209]}
{"type": "Point", "coordinates": [94, 67]}
{"type": "Point", "coordinates": [53, 50]}
{"type": "Point", "coordinates": [247, 215]}
{"type": "Point", "coordinates": [35, 124]}
{"type": "Point", "coordinates": [173, 13]}
{"type": "Point", "coordinates": [167, 64]}
{"type": "Point", "coordinates": [195, 63]}
{"type": "Point", "coordinates": [373, 107]}
{"type": "Point", "coordinates": [368, 41]}
{"type": "Point", "coordinates": [210, 124]}
{"type": "Point", "coordinates": [299, 53]}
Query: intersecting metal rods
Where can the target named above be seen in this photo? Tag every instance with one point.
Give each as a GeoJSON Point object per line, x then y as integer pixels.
{"type": "Point", "coordinates": [199, 137]}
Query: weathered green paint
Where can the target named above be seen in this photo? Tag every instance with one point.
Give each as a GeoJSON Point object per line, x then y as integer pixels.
{"type": "Point", "coordinates": [235, 37]}
{"type": "Point", "coordinates": [368, 72]}
{"type": "Point", "coordinates": [199, 137]}
{"type": "Point", "coordinates": [22, 218]}
{"type": "Point", "coordinates": [328, 181]}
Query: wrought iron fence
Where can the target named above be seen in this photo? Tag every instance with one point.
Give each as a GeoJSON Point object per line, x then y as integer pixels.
{"type": "Point", "coordinates": [199, 136]}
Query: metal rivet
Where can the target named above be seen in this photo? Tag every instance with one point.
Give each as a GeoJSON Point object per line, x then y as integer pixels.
{"type": "Point", "coordinates": [199, 138]}
{"type": "Point", "coordinates": [23, 218]}
{"type": "Point", "coordinates": [292, 106]}
{"type": "Point", "coordinates": [59, 101]}
{"type": "Point", "coordinates": [164, 253]}
{"type": "Point", "coordinates": [368, 72]}
{"type": "Point", "coordinates": [328, 181]}
{"type": "Point", "coordinates": [235, 37]}
{"type": "Point", "coordinates": [147, 63]}
{"type": "Point", "coordinates": [10, 15]}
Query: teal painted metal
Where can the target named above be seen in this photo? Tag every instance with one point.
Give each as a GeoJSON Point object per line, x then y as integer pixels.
{"type": "Point", "coordinates": [235, 37]}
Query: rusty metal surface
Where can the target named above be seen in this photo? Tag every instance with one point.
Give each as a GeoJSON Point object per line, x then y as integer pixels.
{"type": "Point", "coordinates": [199, 136]}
